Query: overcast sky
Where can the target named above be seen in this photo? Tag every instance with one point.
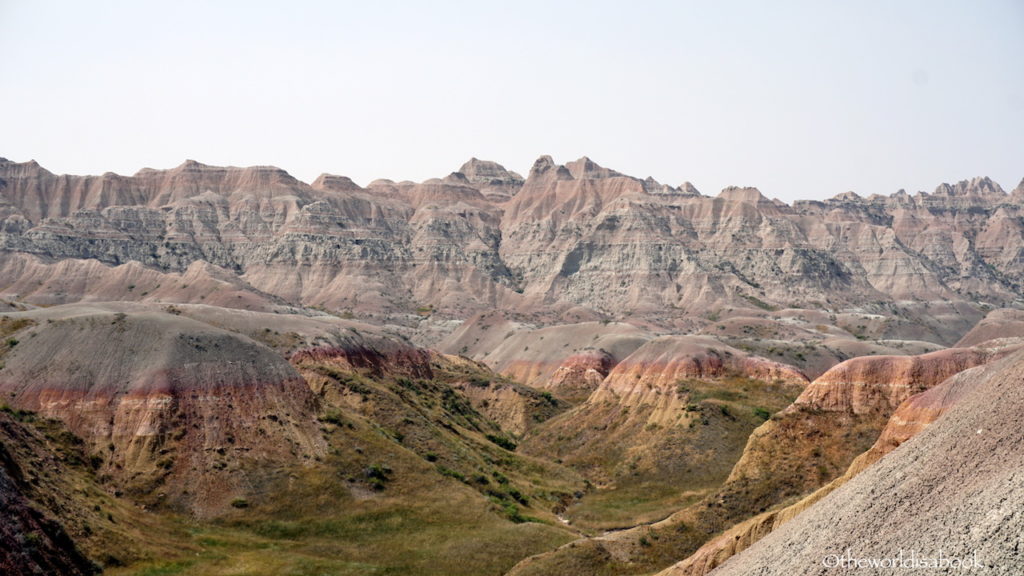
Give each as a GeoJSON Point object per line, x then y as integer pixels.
{"type": "Point", "coordinates": [801, 99]}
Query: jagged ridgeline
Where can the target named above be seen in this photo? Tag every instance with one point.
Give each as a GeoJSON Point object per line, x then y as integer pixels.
{"type": "Point", "coordinates": [574, 240]}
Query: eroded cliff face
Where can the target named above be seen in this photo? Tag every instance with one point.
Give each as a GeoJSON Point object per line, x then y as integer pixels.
{"type": "Point", "coordinates": [484, 238]}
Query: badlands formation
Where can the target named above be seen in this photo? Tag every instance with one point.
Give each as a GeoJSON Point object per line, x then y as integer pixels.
{"type": "Point", "coordinates": [210, 370]}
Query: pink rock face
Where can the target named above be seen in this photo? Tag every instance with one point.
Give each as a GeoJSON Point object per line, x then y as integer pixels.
{"type": "Point", "coordinates": [581, 374]}
{"type": "Point", "coordinates": [879, 384]}
{"type": "Point", "coordinates": [663, 362]}
{"type": "Point", "coordinates": [916, 413]}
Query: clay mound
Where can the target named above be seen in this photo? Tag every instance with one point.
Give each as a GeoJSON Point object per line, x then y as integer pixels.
{"type": "Point", "coordinates": [880, 383]}
{"type": "Point", "coordinates": [998, 324]}
{"type": "Point", "coordinates": [580, 374]}
{"type": "Point", "coordinates": [335, 183]}
{"type": "Point", "coordinates": [661, 363]}
{"type": "Point", "coordinates": [532, 355]}
{"type": "Point", "coordinates": [965, 501]}
{"type": "Point", "coordinates": [49, 283]}
{"type": "Point", "coordinates": [192, 412]}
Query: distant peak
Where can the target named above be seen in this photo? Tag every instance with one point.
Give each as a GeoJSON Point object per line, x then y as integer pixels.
{"type": "Point", "coordinates": [456, 178]}
{"type": "Point", "coordinates": [1019, 190]}
{"type": "Point", "coordinates": [587, 169]}
{"type": "Point", "coordinates": [742, 194]}
{"type": "Point", "coordinates": [334, 183]}
{"type": "Point", "coordinates": [542, 165]}
{"type": "Point", "coordinates": [979, 186]}
{"type": "Point", "coordinates": [485, 172]}
{"type": "Point", "coordinates": [545, 168]}
{"type": "Point", "coordinates": [850, 196]}
{"type": "Point", "coordinates": [688, 189]}
{"type": "Point", "coordinates": [192, 165]}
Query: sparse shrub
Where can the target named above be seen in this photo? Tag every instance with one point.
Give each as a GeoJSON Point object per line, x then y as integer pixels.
{"type": "Point", "coordinates": [762, 413]}
{"type": "Point", "coordinates": [445, 471]}
{"type": "Point", "coordinates": [239, 503]}
{"type": "Point", "coordinates": [518, 496]}
{"type": "Point", "coordinates": [502, 441]}
{"type": "Point", "coordinates": [378, 475]}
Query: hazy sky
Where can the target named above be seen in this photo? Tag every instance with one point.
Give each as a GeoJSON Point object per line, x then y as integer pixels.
{"type": "Point", "coordinates": [801, 99]}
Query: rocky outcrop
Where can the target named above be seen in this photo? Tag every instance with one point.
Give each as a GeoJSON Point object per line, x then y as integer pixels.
{"type": "Point", "coordinates": [912, 416]}
{"type": "Point", "coordinates": [652, 372]}
{"type": "Point", "coordinates": [184, 414]}
{"type": "Point", "coordinates": [898, 396]}
{"type": "Point", "coordinates": [491, 178]}
{"type": "Point", "coordinates": [961, 503]}
{"type": "Point", "coordinates": [580, 374]}
{"type": "Point", "coordinates": [835, 418]}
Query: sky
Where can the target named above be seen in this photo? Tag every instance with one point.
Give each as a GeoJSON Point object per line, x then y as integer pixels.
{"type": "Point", "coordinates": [802, 99]}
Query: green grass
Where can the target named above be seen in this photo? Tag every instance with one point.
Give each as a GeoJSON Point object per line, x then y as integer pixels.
{"type": "Point", "coordinates": [417, 533]}
{"type": "Point", "coordinates": [650, 464]}
{"type": "Point", "coordinates": [415, 481]}
{"type": "Point", "coordinates": [629, 505]}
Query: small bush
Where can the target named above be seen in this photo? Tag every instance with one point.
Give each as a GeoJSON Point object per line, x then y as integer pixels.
{"type": "Point", "coordinates": [239, 503]}
{"type": "Point", "coordinates": [445, 471]}
{"type": "Point", "coordinates": [502, 441]}
{"type": "Point", "coordinates": [333, 417]}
